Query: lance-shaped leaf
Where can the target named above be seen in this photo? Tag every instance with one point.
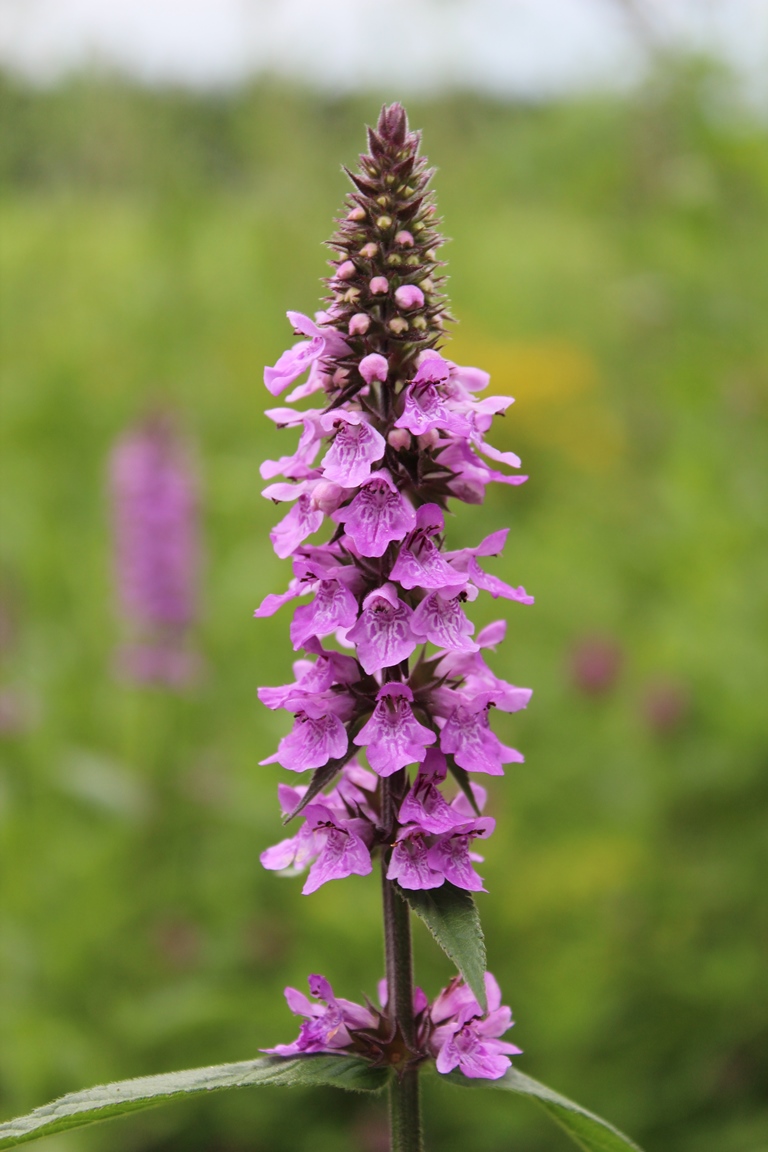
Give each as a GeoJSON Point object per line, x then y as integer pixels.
{"type": "Point", "coordinates": [107, 1100]}
{"type": "Point", "coordinates": [589, 1131]}
{"type": "Point", "coordinates": [451, 916]}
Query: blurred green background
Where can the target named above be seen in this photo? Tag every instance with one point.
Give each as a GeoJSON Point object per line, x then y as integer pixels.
{"type": "Point", "coordinates": [608, 265]}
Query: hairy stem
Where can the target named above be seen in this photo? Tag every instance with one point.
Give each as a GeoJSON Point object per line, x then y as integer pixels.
{"type": "Point", "coordinates": [404, 1108]}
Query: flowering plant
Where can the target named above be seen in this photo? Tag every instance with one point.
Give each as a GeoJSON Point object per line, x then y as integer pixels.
{"type": "Point", "coordinates": [391, 667]}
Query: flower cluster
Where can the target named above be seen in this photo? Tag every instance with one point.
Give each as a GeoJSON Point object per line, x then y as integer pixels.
{"type": "Point", "coordinates": [453, 1029]}
{"type": "Point", "coordinates": [391, 663]}
{"type": "Point", "coordinates": [154, 503]}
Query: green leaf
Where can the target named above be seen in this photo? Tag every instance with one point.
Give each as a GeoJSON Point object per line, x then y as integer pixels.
{"type": "Point", "coordinates": [451, 916]}
{"type": "Point", "coordinates": [588, 1131]}
{"type": "Point", "coordinates": [94, 1104]}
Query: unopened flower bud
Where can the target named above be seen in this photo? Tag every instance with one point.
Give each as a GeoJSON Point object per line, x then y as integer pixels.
{"type": "Point", "coordinates": [345, 271]}
{"type": "Point", "coordinates": [427, 285]}
{"type": "Point", "coordinates": [409, 296]}
{"type": "Point", "coordinates": [374, 367]}
{"type": "Point", "coordinates": [419, 322]}
{"type": "Point", "coordinates": [431, 255]}
{"type": "Point", "coordinates": [327, 496]}
{"type": "Point", "coordinates": [351, 295]}
{"type": "Point", "coordinates": [419, 226]}
{"type": "Point", "coordinates": [340, 377]}
{"type": "Point", "coordinates": [399, 438]}
{"type": "Point", "coordinates": [369, 250]}
{"type": "Point", "coordinates": [357, 213]}
{"type": "Point", "coordinates": [398, 325]}
{"type": "Point", "coordinates": [379, 286]}
{"type": "Point", "coordinates": [359, 324]}
{"type": "Point", "coordinates": [428, 439]}
{"type": "Point", "coordinates": [382, 201]}
{"type": "Point", "coordinates": [394, 260]}
{"type": "Point", "coordinates": [404, 239]}
{"type": "Point", "coordinates": [412, 262]}
{"type": "Point", "coordinates": [384, 222]}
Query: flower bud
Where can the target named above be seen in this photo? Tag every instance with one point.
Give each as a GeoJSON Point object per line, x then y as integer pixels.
{"type": "Point", "coordinates": [398, 325]}
{"type": "Point", "coordinates": [419, 322]}
{"type": "Point", "coordinates": [369, 250]}
{"type": "Point", "coordinates": [384, 222]}
{"type": "Point", "coordinates": [427, 285]}
{"type": "Point", "coordinates": [351, 295]}
{"type": "Point", "coordinates": [346, 270]}
{"type": "Point", "coordinates": [374, 367]}
{"type": "Point", "coordinates": [359, 324]}
{"type": "Point", "coordinates": [428, 439]}
{"type": "Point", "coordinates": [409, 296]}
{"type": "Point", "coordinates": [327, 496]}
{"type": "Point", "coordinates": [404, 239]}
{"type": "Point", "coordinates": [379, 286]}
{"type": "Point", "coordinates": [399, 438]}
{"type": "Point", "coordinates": [357, 213]}
{"type": "Point", "coordinates": [412, 262]}
{"type": "Point", "coordinates": [394, 259]}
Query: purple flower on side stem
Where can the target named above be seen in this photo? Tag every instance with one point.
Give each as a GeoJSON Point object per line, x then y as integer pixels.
{"type": "Point", "coordinates": [466, 1038]}
{"type": "Point", "coordinates": [156, 530]}
{"type": "Point", "coordinates": [328, 1025]}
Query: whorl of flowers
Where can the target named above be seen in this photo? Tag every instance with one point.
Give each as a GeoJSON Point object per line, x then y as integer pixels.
{"type": "Point", "coordinates": [399, 431]}
{"type": "Point", "coordinates": [156, 535]}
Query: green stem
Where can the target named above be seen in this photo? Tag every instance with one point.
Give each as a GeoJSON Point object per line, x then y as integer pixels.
{"type": "Point", "coordinates": [404, 1107]}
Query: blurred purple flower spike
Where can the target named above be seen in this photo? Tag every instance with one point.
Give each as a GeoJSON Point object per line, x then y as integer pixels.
{"type": "Point", "coordinates": [157, 553]}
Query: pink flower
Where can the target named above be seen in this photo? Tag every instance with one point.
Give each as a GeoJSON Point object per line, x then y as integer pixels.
{"type": "Point", "coordinates": [333, 607]}
{"type": "Point", "coordinates": [383, 633]}
{"type": "Point", "coordinates": [356, 446]}
{"type": "Point", "coordinates": [378, 515]}
{"type": "Point", "coordinates": [467, 735]}
{"type": "Point", "coordinates": [409, 863]}
{"type": "Point", "coordinates": [467, 1039]}
{"type": "Point", "coordinates": [393, 736]}
{"type": "Point", "coordinates": [451, 857]}
{"type": "Point", "coordinates": [312, 742]}
{"type": "Point", "coordinates": [443, 622]}
{"type": "Point", "coordinates": [327, 1025]}
{"type": "Point", "coordinates": [419, 563]}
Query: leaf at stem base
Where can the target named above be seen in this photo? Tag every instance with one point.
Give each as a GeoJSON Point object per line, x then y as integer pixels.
{"type": "Point", "coordinates": [107, 1100]}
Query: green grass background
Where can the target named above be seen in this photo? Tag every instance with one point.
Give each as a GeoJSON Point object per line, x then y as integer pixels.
{"type": "Point", "coordinates": [608, 265]}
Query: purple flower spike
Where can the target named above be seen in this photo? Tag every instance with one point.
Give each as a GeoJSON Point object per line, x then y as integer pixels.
{"type": "Point", "coordinates": [393, 736]}
{"type": "Point", "coordinates": [377, 516]}
{"type": "Point", "coordinates": [355, 448]}
{"type": "Point", "coordinates": [383, 633]}
{"type": "Point", "coordinates": [157, 552]}
{"type": "Point", "coordinates": [312, 742]}
{"type": "Point", "coordinates": [398, 432]}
